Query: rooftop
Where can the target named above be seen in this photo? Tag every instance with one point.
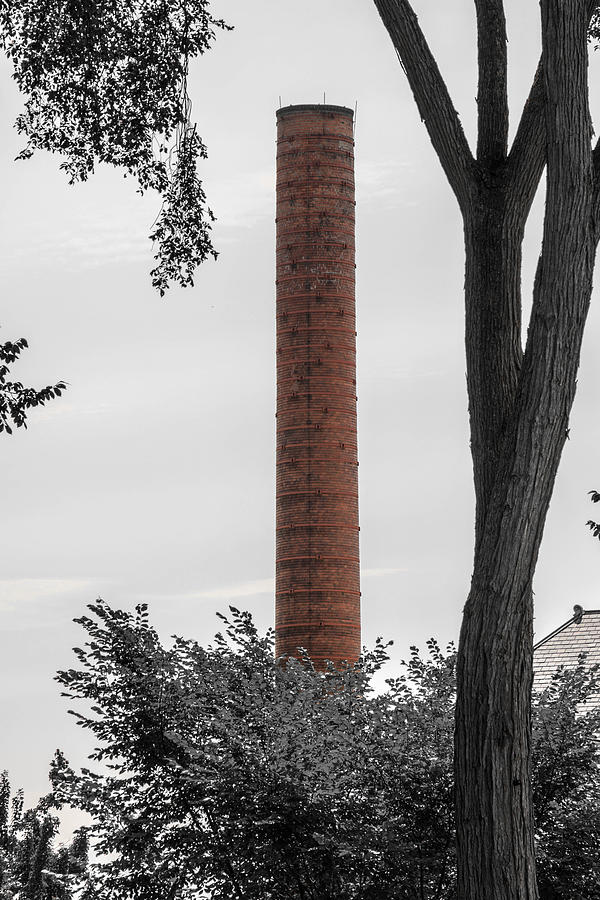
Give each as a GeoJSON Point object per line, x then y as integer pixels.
{"type": "Point", "coordinates": [564, 645]}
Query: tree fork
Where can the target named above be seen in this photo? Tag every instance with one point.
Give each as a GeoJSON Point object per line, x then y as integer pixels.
{"type": "Point", "coordinates": [494, 820]}
{"type": "Point", "coordinates": [519, 404]}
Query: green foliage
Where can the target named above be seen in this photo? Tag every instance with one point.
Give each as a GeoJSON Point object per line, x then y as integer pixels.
{"type": "Point", "coordinates": [15, 399]}
{"type": "Point", "coordinates": [224, 774]}
{"type": "Point", "coordinates": [31, 868]}
{"type": "Point", "coordinates": [106, 82]}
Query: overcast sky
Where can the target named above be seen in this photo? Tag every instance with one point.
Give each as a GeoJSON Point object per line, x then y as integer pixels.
{"type": "Point", "coordinates": [152, 479]}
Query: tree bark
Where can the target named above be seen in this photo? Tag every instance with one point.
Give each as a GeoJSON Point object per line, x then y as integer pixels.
{"type": "Point", "coordinates": [519, 403]}
{"type": "Point", "coordinates": [494, 228]}
{"type": "Point", "coordinates": [494, 816]}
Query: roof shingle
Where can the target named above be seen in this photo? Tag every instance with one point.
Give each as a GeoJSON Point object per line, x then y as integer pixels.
{"type": "Point", "coordinates": [563, 647]}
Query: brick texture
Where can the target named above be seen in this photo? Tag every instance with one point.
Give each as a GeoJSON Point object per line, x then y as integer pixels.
{"type": "Point", "coordinates": [317, 600]}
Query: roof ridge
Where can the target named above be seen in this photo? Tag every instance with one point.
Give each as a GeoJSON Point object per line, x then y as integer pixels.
{"type": "Point", "coordinates": [576, 618]}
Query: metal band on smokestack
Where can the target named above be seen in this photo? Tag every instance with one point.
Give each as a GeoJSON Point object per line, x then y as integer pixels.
{"type": "Point", "coordinates": [317, 600]}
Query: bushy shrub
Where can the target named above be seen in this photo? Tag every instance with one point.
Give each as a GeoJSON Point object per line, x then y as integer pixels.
{"type": "Point", "coordinates": [225, 774]}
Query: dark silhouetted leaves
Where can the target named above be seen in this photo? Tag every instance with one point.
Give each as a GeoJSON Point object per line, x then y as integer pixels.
{"type": "Point", "coordinates": [31, 866]}
{"type": "Point", "coordinates": [225, 774]}
{"type": "Point", "coordinates": [15, 399]}
{"type": "Point", "coordinates": [106, 82]}
{"type": "Point", "coordinates": [594, 526]}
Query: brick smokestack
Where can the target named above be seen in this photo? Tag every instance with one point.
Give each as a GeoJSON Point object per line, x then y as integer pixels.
{"type": "Point", "coordinates": [317, 599]}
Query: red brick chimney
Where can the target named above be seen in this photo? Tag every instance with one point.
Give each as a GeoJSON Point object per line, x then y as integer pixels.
{"type": "Point", "coordinates": [317, 599]}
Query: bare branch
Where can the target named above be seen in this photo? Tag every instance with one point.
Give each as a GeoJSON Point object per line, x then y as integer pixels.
{"type": "Point", "coordinates": [492, 94]}
{"type": "Point", "coordinates": [527, 156]}
{"type": "Point", "coordinates": [596, 200]}
{"type": "Point", "coordinates": [596, 160]}
{"type": "Point", "coordinates": [566, 264]}
{"type": "Point", "coordinates": [430, 93]}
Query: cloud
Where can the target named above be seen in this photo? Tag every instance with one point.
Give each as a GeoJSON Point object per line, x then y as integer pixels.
{"type": "Point", "coordinates": [17, 593]}
{"type": "Point", "coordinates": [89, 243]}
{"type": "Point", "coordinates": [242, 589]}
{"type": "Point", "coordinates": [248, 198]}
{"type": "Point", "coordinates": [242, 201]}
{"type": "Point", "coordinates": [259, 586]}
{"type": "Point", "coordinates": [64, 408]}
{"type": "Point", "coordinates": [384, 182]}
{"type": "Point", "coordinates": [378, 369]}
{"type": "Point", "coordinates": [379, 573]}
{"type": "Point", "coordinates": [252, 588]}
{"type": "Point", "coordinates": [99, 239]}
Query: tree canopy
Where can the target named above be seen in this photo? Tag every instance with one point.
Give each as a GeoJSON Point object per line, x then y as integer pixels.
{"type": "Point", "coordinates": [220, 772]}
{"type": "Point", "coordinates": [106, 82]}
{"type": "Point", "coordinates": [32, 866]}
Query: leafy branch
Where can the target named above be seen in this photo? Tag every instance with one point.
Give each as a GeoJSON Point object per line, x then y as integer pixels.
{"type": "Point", "coordinates": [594, 526]}
{"type": "Point", "coordinates": [15, 399]}
{"type": "Point", "coordinates": [106, 82]}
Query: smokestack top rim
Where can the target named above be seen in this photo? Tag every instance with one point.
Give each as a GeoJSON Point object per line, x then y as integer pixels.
{"type": "Point", "coordinates": [313, 107]}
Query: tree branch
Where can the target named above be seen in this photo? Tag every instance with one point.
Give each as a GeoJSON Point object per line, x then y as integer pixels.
{"type": "Point", "coordinates": [563, 280]}
{"type": "Point", "coordinates": [430, 93]}
{"type": "Point", "coordinates": [527, 156]}
{"type": "Point", "coordinates": [492, 94]}
{"type": "Point", "coordinates": [596, 160]}
{"type": "Point", "coordinates": [596, 201]}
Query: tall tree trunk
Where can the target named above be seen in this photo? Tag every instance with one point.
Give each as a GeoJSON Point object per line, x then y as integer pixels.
{"type": "Point", "coordinates": [492, 742]}
{"type": "Point", "coordinates": [494, 230]}
{"type": "Point", "coordinates": [519, 404]}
